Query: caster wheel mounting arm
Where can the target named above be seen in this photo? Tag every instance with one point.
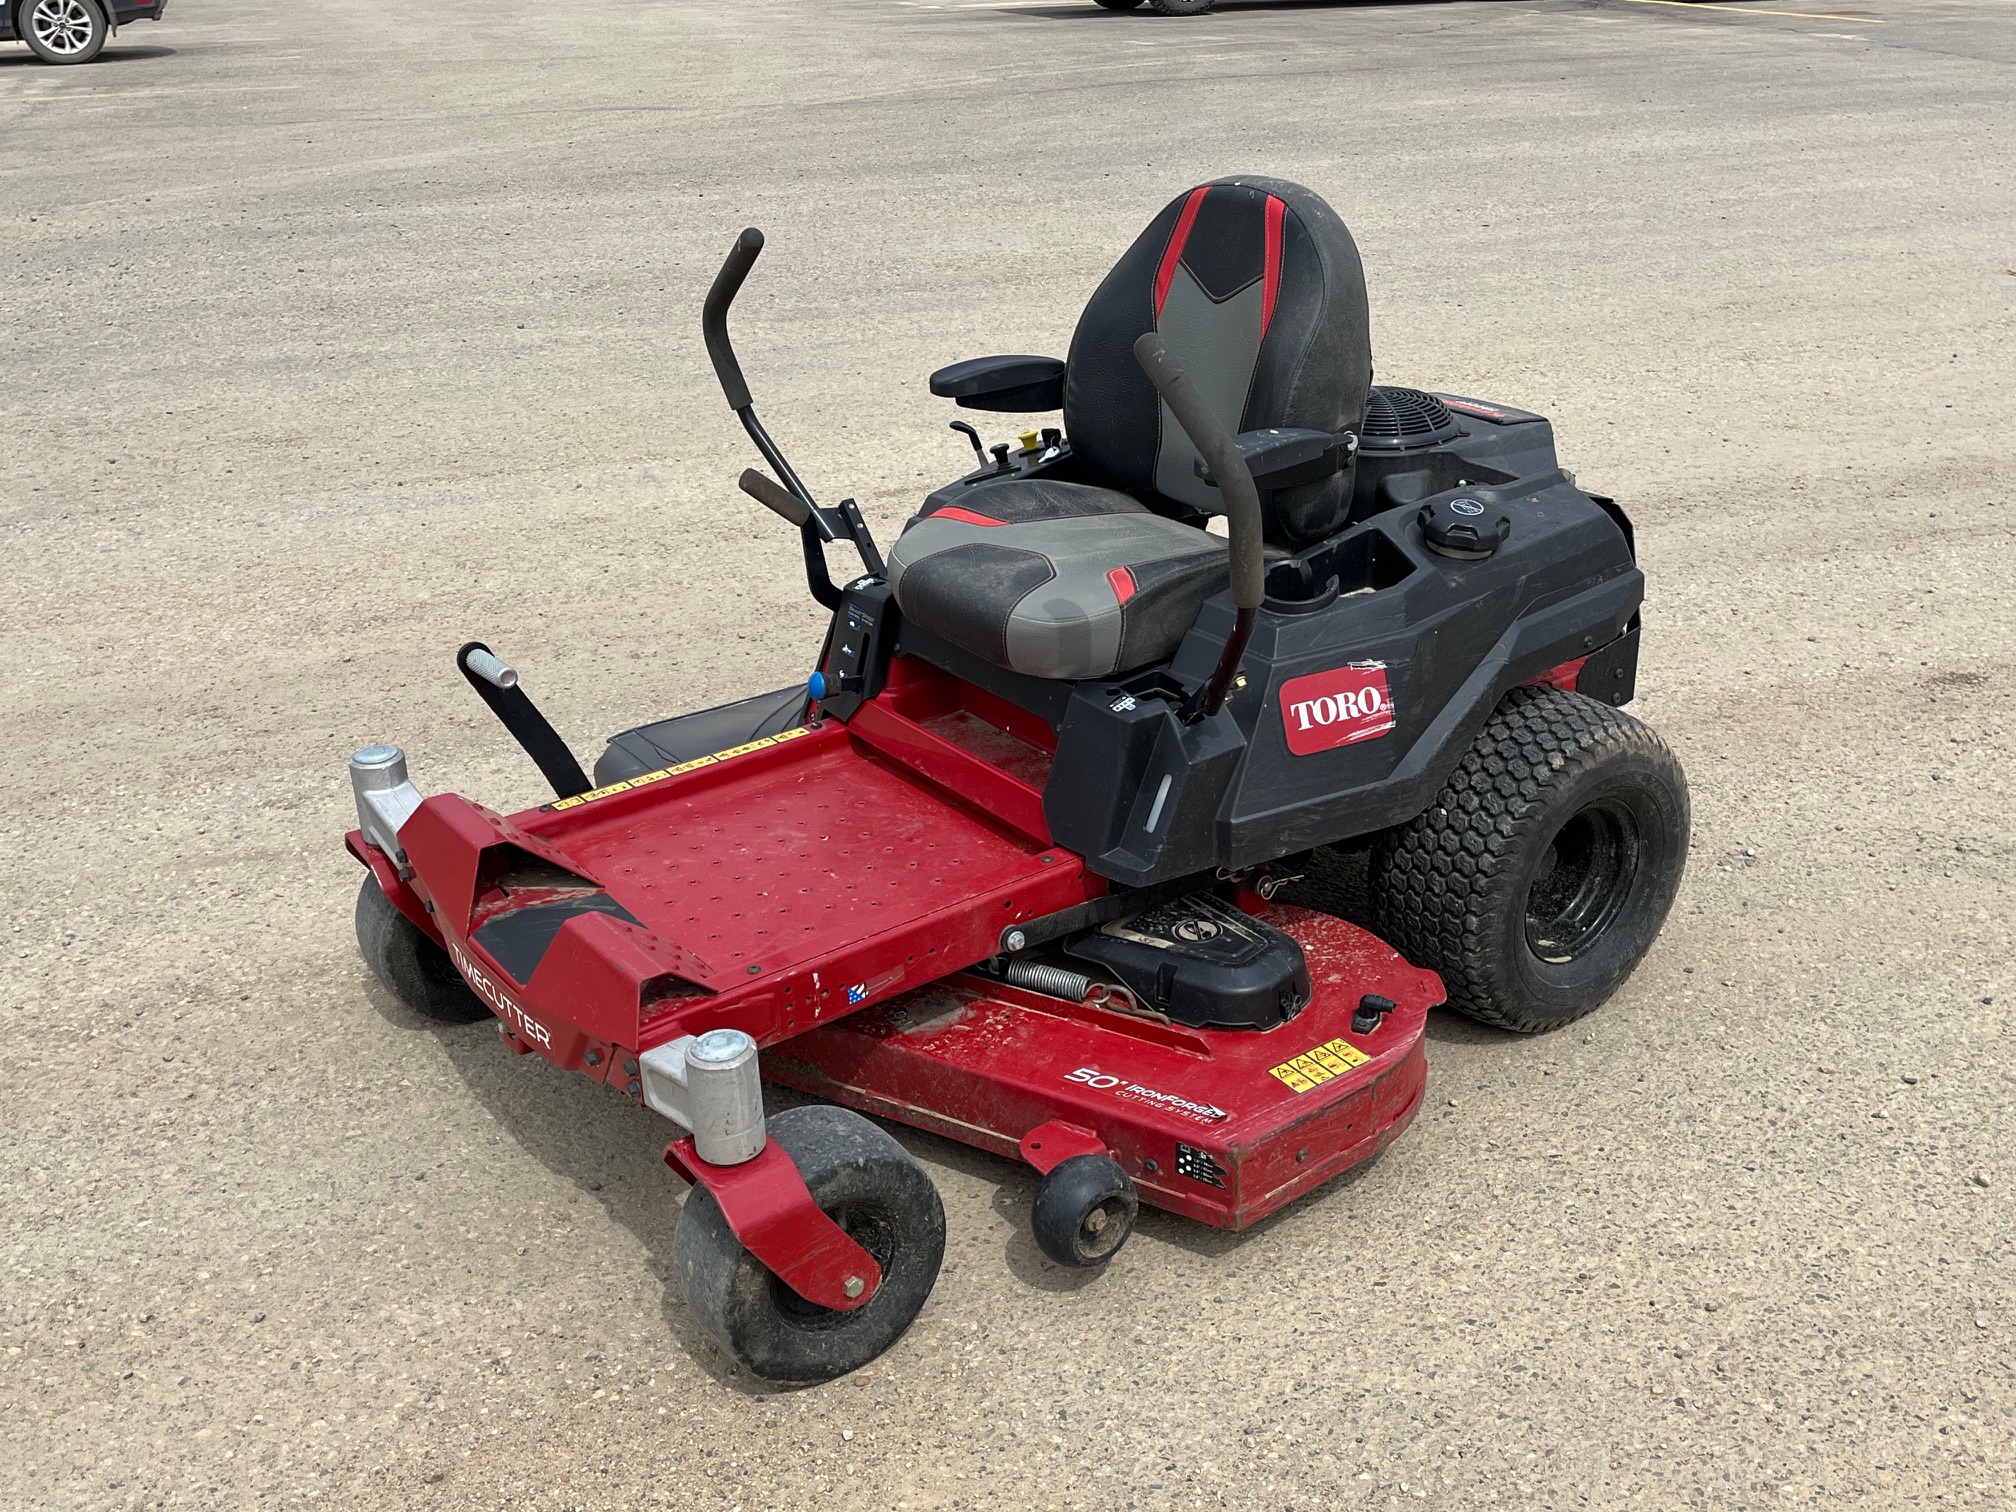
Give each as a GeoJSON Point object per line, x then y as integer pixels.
{"type": "Point", "coordinates": [771, 1212]}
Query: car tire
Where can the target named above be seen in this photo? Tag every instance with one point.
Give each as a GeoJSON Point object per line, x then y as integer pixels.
{"type": "Point", "coordinates": [1541, 873]}
{"type": "Point", "coordinates": [62, 31]}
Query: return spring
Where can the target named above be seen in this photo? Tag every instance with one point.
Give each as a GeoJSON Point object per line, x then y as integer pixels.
{"type": "Point", "coordinates": [1051, 981]}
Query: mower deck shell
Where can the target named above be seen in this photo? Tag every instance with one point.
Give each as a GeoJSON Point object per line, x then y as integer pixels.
{"type": "Point", "coordinates": [826, 890]}
{"type": "Point", "coordinates": [1223, 1126]}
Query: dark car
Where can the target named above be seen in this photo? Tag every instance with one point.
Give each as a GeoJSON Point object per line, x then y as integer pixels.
{"type": "Point", "coordinates": [71, 31]}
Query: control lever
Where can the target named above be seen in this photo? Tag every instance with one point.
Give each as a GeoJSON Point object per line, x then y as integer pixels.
{"type": "Point", "coordinates": [979, 450]}
{"type": "Point", "coordinates": [1214, 443]}
{"type": "Point", "coordinates": [818, 525]}
{"type": "Point", "coordinates": [496, 683]}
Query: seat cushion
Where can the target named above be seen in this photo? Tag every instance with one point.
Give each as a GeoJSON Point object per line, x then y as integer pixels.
{"type": "Point", "coordinates": [1051, 579]}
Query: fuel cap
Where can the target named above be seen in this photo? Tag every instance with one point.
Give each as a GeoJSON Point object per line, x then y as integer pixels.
{"type": "Point", "coordinates": [1465, 528]}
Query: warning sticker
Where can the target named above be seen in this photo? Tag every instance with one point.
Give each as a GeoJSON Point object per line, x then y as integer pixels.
{"type": "Point", "coordinates": [647, 778]}
{"type": "Point", "coordinates": [1312, 1068]}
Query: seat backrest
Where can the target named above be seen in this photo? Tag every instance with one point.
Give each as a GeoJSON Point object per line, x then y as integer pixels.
{"type": "Point", "coordinates": [1256, 285]}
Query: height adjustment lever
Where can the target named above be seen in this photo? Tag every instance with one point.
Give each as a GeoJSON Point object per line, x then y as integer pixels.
{"type": "Point", "coordinates": [979, 447]}
{"type": "Point", "coordinates": [496, 683]}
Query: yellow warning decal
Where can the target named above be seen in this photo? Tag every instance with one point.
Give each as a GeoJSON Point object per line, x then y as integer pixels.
{"type": "Point", "coordinates": [1312, 1068]}
{"type": "Point", "coordinates": [646, 779]}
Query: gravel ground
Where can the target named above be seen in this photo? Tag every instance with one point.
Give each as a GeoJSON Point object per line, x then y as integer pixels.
{"type": "Point", "coordinates": [334, 335]}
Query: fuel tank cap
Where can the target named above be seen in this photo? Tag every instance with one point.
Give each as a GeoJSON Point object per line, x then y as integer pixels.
{"type": "Point", "coordinates": [1464, 528]}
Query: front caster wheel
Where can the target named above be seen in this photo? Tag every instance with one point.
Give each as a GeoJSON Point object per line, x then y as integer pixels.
{"type": "Point", "coordinates": [413, 968]}
{"type": "Point", "coordinates": [1085, 1209]}
{"type": "Point", "coordinates": [1539, 876]}
{"type": "Point", "coordinates": [865, 1182]}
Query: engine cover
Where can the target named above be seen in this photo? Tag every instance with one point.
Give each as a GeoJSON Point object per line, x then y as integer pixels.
{"type": "Point", "coordinates": [1203, 963]}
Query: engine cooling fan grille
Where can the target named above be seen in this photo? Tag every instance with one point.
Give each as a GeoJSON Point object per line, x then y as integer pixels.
{"type": "Point", "coordinates": [1399, 419]}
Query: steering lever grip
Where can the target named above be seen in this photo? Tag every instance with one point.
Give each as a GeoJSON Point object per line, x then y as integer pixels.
{"type": "Point", "coordinates": [714, 316]}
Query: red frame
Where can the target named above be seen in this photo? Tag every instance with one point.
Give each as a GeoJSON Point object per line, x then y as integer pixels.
{"type": "Point", "coordinates": [830, 887]}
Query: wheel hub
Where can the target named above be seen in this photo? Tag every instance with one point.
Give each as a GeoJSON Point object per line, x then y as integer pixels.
{"type": "Point", "coordinates": [62, 26]}
{"type": "Point", "coordinates": [1581, 882]}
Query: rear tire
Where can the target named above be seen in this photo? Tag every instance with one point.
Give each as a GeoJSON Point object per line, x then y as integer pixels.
{"type": "Point", "coordinates": [413, 968]}
{"type": "Point", "coordinates": [1541, 873]}
{"type": "Point", "coordinates": [869, 1185]}
{"type": "Point", "coordinates": [62, 31]}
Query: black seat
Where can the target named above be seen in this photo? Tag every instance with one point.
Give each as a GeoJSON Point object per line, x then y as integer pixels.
{"type": "Point", "coordinates": [1256, 285]}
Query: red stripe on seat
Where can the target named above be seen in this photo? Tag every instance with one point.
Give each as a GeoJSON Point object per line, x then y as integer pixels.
{"type": "Point", "coordinates": [963, 516]}
{"type": "Point", "coordinates": [1271, 276]}
{"type": "Point", "coordinates": [1173, 254]}
{"type": "Point", "coordinates": [1122, 583]}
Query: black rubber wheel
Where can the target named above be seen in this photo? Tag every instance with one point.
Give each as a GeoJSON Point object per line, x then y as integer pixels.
{"type": "Point", "coordinates": [413, 968]}
{"type": "Point", "coordinates": [1542, 872]}
{"type": "Point", "coordinates": [62, 31]}
{"type": "Point", "coordinates": [1182, 7]}
{"type": "Point", "coordinates": [1121, 5]}
{"type": "Point", "coordinates": [1085, 1209]}
{"type": "Point", "coordinates": [869, 1185]}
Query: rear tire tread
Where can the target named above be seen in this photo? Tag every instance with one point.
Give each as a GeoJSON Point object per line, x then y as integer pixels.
{"type": "Point", "coordinates": [1441, 884]}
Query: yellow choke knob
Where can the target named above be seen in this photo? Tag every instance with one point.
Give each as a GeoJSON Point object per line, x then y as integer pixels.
{"type": "Point", "coordinates": [1031, 441]}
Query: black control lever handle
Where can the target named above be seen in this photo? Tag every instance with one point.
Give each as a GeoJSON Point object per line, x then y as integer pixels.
{"type": "Point", "coordinates": [1236, 490]}
{"type": "Point", "coordinates": [496, 683]}
{"type": "Point", "coordinates": [1213, 440]}
{"type": "Point", "coordinates": [714, 316]}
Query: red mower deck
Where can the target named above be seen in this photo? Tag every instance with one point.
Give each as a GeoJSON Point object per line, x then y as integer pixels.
{"type": "Point", "coordinates": [1223, 1126]}
{"type": "Point", "coordinates": [788, 887]}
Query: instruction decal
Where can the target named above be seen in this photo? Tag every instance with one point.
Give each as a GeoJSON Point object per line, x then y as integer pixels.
{"type": "Point", "coordinates": [1312, 1068]}
{"type": "Point", "coordinates": [1340, 707]}
{"type": "Point", "coordinates": [558, 804]}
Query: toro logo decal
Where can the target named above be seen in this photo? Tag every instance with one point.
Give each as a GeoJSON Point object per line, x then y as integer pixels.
{"type": "Point", "coordinates": [1326, 710]}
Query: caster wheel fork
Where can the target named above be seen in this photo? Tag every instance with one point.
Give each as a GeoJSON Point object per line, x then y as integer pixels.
{"type": "Point", "coordinates": [871, 1188]}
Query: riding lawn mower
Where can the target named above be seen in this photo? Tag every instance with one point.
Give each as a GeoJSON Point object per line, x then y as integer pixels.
{"type": "Point", "coordinates": [1009, 866]}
